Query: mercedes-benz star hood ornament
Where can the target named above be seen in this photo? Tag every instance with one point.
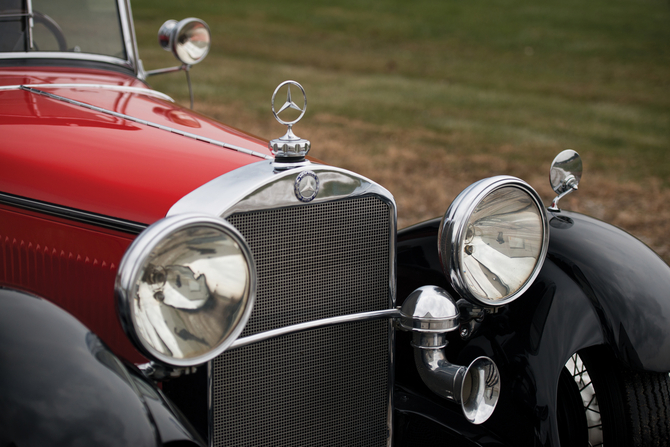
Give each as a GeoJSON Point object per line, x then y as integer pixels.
{"type": "Point", "coordinates": [289, 148]}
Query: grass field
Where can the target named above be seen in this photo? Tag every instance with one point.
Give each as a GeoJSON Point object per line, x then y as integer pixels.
{"type": "Point", "coordinates": [426, 97]}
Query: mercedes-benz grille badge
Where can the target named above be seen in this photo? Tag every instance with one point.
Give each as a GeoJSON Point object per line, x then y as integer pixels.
{"type": "Point", "coordinates": [289, 148]}
{"type": "Point", "coordinates": [306, 186]}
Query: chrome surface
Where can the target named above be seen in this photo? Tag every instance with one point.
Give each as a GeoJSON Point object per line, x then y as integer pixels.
{"type": "Point", "coordinates": [290, 145]}
{"type": "Point", "coordinates": [146, 123]}
{"type": "Point", "coordinates": [159, 371]}
{"type": "Point", "coordinates": [564, 175]}
{"type": "Point", "coordinates": [575, 365]}
{"type": "Point", "coordinates": [165, 70]}
{"type": "Point", "coordinates": [189, 39]}
{"type": "Point", "coordinates": [475, 387]}
{"type": "Point", "coordinates": [289, 104]}
{"type": "Point", "coordinates": [31, 23]}
{"type": "Point", "coordinates": [130, 38]}
{"type": "Point", "coordinates": [260, 186]}
{"type": "Point", "coordinates": [429, 309]}
{"type": "Point", "coordinates": [317, 368]}
{"type": "Point", "coordinates": [502, 273]}
{"type": "Point", "coordinates": [429, 313]}
{"type": "Point", "coordinates": [166, 34]}
{"type": "Point", "coordinates": [115, 88]}
{"type": "Point", "coordinates": [185, 289]}
{"type": "Point", "coordinates": [314, 324]}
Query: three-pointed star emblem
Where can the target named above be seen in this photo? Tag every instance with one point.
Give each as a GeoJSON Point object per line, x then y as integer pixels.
{"type": "Point", "coordinates": [289, 103]}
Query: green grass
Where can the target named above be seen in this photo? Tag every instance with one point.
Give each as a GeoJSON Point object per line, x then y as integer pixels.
{"type": "Point", "coordinates": [428, 96]}
{"type": "Point", "coordinates": [594, 76]}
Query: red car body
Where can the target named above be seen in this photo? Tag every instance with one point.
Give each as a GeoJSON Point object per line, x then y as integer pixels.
{"type": "Point", "coordinates": [67, 155]}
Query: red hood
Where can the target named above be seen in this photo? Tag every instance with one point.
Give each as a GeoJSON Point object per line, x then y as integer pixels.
{"type": "Point", "coordinates": [69, 155]}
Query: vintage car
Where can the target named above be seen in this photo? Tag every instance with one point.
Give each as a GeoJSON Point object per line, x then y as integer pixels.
{"type": "Point", "coordinates": [168, 280]}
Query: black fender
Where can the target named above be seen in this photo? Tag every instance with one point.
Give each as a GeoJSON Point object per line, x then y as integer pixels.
{"type": "Point", "coordinates": [626, 282]}
{"type": "Point", "coordinates": [61, 386]}
{"type": "Point", "coordinates": [598, 286]}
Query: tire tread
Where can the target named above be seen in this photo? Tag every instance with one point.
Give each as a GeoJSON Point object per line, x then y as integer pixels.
{"type": "Point", "coordinates": [642, 416]}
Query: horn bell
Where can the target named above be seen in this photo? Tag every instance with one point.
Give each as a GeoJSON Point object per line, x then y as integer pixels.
{"type": "Point", "coordinates": [429, 313]}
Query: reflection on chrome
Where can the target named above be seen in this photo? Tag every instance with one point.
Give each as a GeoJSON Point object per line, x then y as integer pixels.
{"type": "Point", "coordinates": [502, 244]}
{"type": "Point", "coordinates": [192, 42]}
{"type": "Point", "coordinates": [193, 293]}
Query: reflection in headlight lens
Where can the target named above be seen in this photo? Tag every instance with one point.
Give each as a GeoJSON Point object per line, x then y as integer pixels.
{"type": "Point", "coordinates": [193, 42]}
{"type": "Point", "coordinates": [192, 293]}
{"type": "Point", "coordinates": [185, 289]}
{"type": "Point", "coordinates": [502, 244]}
{"type": "Point", "coordinates": [493, 240]}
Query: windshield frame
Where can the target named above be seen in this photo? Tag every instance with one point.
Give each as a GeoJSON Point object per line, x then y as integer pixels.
{"type": "Point", "coordinates": [132, 61]}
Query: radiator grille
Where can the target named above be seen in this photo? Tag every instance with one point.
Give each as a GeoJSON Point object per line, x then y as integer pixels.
{"type": "Point", "coordinates": [327, 386]}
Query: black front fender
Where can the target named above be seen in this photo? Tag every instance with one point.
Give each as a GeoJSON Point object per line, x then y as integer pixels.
{"type": "Point", "coordinates": [598, 286]}
{"type": "Point", "coordinates": [61, 386]}
{"type": "Point", "coordinates": [627, 284]}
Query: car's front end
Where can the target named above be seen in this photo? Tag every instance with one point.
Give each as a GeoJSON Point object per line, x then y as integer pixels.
{"type": "Point", "coordinates": [266, 298]}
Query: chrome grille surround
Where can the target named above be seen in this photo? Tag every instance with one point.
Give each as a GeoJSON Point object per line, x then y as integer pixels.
{"type": "Point", "coordinates": [333, 256]}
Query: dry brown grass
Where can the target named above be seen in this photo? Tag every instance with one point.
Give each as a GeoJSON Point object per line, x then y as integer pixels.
{"type": "Point", "coordinates": [425, 171]}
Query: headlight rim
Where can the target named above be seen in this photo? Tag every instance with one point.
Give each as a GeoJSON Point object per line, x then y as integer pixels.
{"type": "Point", "coordinates": [134, 261]}
{"type": "Point", "coordinates": [454, 225]}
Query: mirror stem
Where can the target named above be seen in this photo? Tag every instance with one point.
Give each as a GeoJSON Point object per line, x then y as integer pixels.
{"type": "Point", "coordinates": [188, 80]}
{"type": "Point", "coordinates": [570, 185]}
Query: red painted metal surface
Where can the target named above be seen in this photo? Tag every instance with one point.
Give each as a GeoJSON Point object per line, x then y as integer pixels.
{"type": "Point", "coordinates": [73, 265]}
{"type": "Point", "coordinates": [72, 156]}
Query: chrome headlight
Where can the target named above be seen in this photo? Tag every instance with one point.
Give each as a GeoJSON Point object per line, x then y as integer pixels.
{"type": "Point", "coordinates": [185, 289]}
{"type": "Point", "coordinates": [493, 240]}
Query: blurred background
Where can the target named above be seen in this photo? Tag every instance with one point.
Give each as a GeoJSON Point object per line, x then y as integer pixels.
{"type": "Point", "coordinates": [426, 97]}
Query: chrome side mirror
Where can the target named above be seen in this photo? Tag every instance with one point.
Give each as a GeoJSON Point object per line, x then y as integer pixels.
{"type": "Point", "coordinates": [429, 313]}
{"type": "Point", "coordinates": [564, 175]}
{"type": "Point", "coordinates": [189, 40]}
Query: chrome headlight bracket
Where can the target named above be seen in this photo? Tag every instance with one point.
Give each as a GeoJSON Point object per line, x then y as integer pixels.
{"type": "Point", "coordinates": [493, 240]}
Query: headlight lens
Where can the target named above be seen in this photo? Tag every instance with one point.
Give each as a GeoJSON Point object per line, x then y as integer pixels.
{"type": "Point", "coordinates": [493, 240]}
{"type": "Point", "coordinates": [192, 41]}
{"type": "Point", "coordinates": [185, 289]}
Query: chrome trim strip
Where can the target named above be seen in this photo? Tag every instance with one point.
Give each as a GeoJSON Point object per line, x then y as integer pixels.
{"type": "Point", "coordinates": [351, 318]}
{"type": "Point", "coordinates": [129, 39]}
{"type": "Point", "coordinates": [99, 220]}
{"type": "Point", "coordinates": [31, 23]}
{"type": "Point", "coordinates": [116, 88]}
{"type": "Point", "coordinates": [259, 186]}
{"type": "Point", "coordinates": [146, 123]}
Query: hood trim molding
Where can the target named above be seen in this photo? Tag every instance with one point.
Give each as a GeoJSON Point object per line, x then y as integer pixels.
{"type": "Point", "coordinates": [116, 88]}
{"type": "Point", "coordinates": [144, 122]}
{"type": "Point", "coordinates": [73, 214]}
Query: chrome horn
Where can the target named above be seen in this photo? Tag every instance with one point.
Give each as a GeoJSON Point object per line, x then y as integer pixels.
{"type": "Point", "coordinates": [429, 313]}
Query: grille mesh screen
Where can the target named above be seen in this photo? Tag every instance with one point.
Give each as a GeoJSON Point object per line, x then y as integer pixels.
{"type": "Point", "coordinates": [326, 386]}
